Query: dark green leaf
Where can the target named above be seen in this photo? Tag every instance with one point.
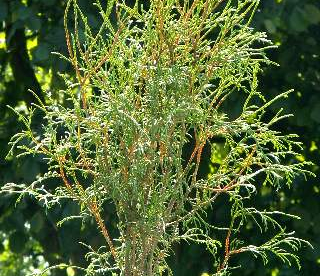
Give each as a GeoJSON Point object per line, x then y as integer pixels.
{"type": "Point", "coordinates": [41, 52]}
{"type": "Point", "coordinates": [17, 241]}
{"type": "Point", "coordinates": [37, 222]}
{"type": "Point", "coordinates": [3, 10]}
{"type": "Point", "coordinates": [297, 20]}
{"type": "Point", "coordinates": [271, 27]}
{"type": "Point", "coordinates": [312, 14]}
{"type": "Point", "coordinates": [315, 113]}
{"type": "Point", "coordinates": [22, 13]}
{"type": "Point", "coordinates": [33, 23]}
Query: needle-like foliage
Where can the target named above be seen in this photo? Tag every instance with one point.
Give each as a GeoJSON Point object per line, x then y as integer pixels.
{"type": "Point", "coordinates": [155, 76]}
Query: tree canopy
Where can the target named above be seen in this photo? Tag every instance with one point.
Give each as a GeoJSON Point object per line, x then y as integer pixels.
{"type": "Point", "coordinates": [31, 30]}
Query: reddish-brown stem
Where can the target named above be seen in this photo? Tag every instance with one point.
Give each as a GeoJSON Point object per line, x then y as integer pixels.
{"type": "Point", "coordinates": [94, 210]}
{"type": "Point", "coordinates": [92, 206]}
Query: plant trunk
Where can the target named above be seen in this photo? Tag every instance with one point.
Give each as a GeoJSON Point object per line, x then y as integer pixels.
{"type": "Point", "coordinates": [139, 253]}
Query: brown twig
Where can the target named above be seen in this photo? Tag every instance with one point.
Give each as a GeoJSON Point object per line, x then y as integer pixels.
{"type": "Point", "coordinates": [94, 210]}
{"type": "Point", "coordinates": [92, 206]}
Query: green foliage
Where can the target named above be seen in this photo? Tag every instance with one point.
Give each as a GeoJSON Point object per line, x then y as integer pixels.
{"type": "Point", "coordinates": [12, 263]}
{"type": "Point", "coordinates": [298, 57]}
{"type": "Point", "coordinates": [147, 81]}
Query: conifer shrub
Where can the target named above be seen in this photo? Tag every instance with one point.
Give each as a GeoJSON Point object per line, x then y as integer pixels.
{"type": "Point", "coordinates": [154, 77]}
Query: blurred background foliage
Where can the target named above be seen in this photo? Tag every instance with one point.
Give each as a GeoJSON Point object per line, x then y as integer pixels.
{"type": "Point", "coordinates": [29, 237]}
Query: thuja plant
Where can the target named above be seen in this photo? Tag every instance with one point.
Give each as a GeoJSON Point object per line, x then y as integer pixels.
{"type": "Point", "coordinates": [154, 77]}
